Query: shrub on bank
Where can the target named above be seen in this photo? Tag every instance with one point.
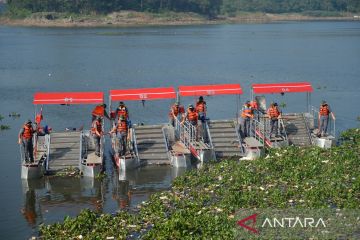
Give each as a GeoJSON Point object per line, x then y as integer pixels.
{"type": "Point", "coordinates": [202, 203]}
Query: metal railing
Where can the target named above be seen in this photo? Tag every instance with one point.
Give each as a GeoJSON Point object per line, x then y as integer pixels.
{"type": "Point", "coordinates": [35, 142]}
{"type": "Point", "coordinates": [186, 132]}
{"type": "Point", "coordinates": [208, 134]}
{"type": "Point", "coordinates": [237, 130]}
{"type": "Point", "coordinates": [314, 120]}
{"type": "Point", "coordinates": [308, 130]}
{"type": "Point", "coordinates": [82, 140]}
{"type": "Point", "coordinates": [47, 142]}
{"type": "Point", "coordinates": [167, 143]}
{"type": "Point", "coordinates": [282, 129]}
{"type": "Point", "coordinates": [134, 143]}
{"type": "Point", "coordinates": [260, 129]}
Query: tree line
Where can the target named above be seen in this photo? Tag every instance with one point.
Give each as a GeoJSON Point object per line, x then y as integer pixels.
{"type": "Point", "coordinates": [205, 7]}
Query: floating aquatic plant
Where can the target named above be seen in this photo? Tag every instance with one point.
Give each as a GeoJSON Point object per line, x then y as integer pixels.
{"type": "Point", "coordinates": [202, 203]}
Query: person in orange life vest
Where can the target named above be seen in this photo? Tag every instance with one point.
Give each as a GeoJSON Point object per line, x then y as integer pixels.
{"type": "Point", "coordinates": [26, 134]}
{"type": "Point", "coordinates": [192, 117]}
{"type": "Point", "coordinates": [246, 115]}
{"type": "Point", "coordinates": [99, 111]}
{"type": "Point", "coordinates": [122, 132]}
{"type": "Point", "coordinates": [255, 107]}
{"type": "Point", "coordinates": [97, 132]}
{"type": "Point", "coordinates": [175, 111]}
{"type": "Point", "coordinates": [122, 110]}
{"type": "Point", "coordinates": [324, 113]}
{"type": "Point", "coordinates": [274, 114]}
{"type": "Point", "coordinates": [40, 130]}
{"type": "Point", "coordinates": [201, 109]}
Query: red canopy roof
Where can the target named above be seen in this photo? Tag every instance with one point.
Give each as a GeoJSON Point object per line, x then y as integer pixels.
{"type": "Point", "coordinates": [69, 98]}
{"type": "Point", "coordinates": [142, 94]}
{"type": "Point", "coordinates": [206, 90]}
{"type": "Point", "coordinates": [282, 87]}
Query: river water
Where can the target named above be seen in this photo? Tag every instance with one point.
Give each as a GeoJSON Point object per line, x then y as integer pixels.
{"type": "Point", "coordinates": [327, 54]}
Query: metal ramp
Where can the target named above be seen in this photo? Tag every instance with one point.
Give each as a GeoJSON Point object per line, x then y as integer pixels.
{"type": "Point", "coordinates": [297, 129]}
{"type": "Point", "coordinates": [225, 138]}
{"type": "Point", "coordinates": [193, 139]}
{"type": "Point", "coordinates": [151, 144]}
{"type": "Point", "coordinates": [260, 130]}
{"type": "Point", "coordinates": [64, 151]}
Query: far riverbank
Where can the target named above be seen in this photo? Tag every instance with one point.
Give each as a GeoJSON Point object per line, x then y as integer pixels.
{"type": "Point", "coordinates": [131, 18]}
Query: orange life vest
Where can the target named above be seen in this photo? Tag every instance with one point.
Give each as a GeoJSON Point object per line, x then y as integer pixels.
{"type": "Point", "coordinates": [28, 132]}
{"type": "Point", "coordinates": [38, 118]}
{"type": "Point", "coordinates": [122, 111]}
{"type": "Point", "coordinates": [122, 126]}
{"type": "Point", "coordinates": [247, 112]}
{"type": "Point", "coordinates": [98, 111]}
{"type": "Point", "coordinates": [273, 112]}
{"type": "Point", "coordinates": [200, 106]}
{"type": "Point", "coordinates": [176, 109]}
{"type": "Point", "coordinates": [96, 126]}
{"type": "Point", "coordinates": [254, 105]}
{"type": "Point", "coordinates": [324, 110]}
{"type": "Point", "coordinates": [192, 115]}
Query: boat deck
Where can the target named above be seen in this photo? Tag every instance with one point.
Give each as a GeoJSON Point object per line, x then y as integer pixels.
{"type": "Point", "coordinates": [93, 159]}
{"type": "Point", "coordinates": [64, 150]}
{"type": "Point", "coordinates": [179, 148]}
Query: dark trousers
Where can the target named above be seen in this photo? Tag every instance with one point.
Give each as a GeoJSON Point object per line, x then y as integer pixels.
{"type": "Point", "coordinates": [122, 136]}
{"type": "Point", "coordinates": [202, 128]}
{"type": "Point", "coordinates": [324, 120]}
{"type": "Point", "coordinates": [97, 143]}
{"type": "Point", "coordinates": [274, 126]}
{"type": "Point", "coordinates": [246, 127]}
{"type": "Point", "coordinates": [28, 150]}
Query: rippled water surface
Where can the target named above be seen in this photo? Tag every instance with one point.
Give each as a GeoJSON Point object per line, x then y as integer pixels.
{"type": "Point", "coordinates": [327, 54]}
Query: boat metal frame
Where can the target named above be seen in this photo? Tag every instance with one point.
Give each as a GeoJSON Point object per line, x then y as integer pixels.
{"type": "Point", "coordinates": [71, 98]}
{"type": "Point", "coordinates": [260, 129]}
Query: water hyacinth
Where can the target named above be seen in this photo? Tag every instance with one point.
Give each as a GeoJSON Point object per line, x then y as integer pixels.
{"type": "Point", "coordinates": [202, 203]}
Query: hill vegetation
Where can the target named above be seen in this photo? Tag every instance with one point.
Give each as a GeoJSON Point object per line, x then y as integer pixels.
{"type": "Point", "coordinates": [209, 8]}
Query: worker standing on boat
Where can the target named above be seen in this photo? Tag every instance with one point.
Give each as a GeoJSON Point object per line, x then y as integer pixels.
{"type": "Point", "coordinates": [122, 110]}
{"type": "Point", "coordinates": [99, 111]}
{"type": "Point", "coordinates": [246, 114]}
{"type": "Point", "coordinates": [255, 107]}
{"type": "Point", "coordinates": [26, 139]}
{"type": "Point", "coordinates": [193, 117]}
{"type": "Point", "coordinates": [97, 132]}
{"type": "Point", "coordinates": [274, 114]}
{"type": "Point", "coordinates": [201, 110]}
{"type": "Point", "coordinates": [324, 113]}
{"type": "Point", "coordinates": [122, 132]}
{"type": "Point", "coordinates": [175, 111]}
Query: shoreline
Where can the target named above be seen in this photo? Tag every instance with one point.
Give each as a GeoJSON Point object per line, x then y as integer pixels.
{"type": "Point", "coordinates": [140, 19]}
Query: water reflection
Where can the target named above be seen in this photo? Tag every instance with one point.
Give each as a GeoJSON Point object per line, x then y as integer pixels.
{"type": "Point", "coordinates": [131, 187]}
{"type": "Point", "coordinates": [30, 210]}
{"type": "Point", "coordinates": [121, 194]}
{"type": "Point", "coordinates": [52, 198]}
